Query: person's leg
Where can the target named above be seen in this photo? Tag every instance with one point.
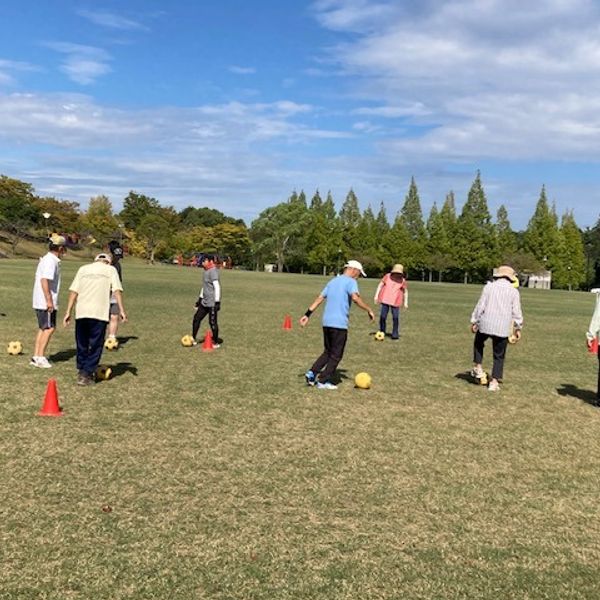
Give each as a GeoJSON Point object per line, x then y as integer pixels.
{"type": "Point", "coordinates": [82, 341]}
{"type": "Point", "coordinates": [478, 345]}
{"type": "Point", "coordinates": [324, 357]}
{"type": "Point", "coordinates": [395, 322]}
{"type": "Point", "coordinates": [198, 316]}
{"type": "Point", "coordinates": [499, 345]}
{"type": "Point", "coordinates": [97, 331]}
{"type": "Point", "coordinates": [336, 352]}
{"type": "Point", "coordinates": [113, 324]}
{"type": "Point", "coordinates": [383, 313]}
{"type": "Point", "coordinates": [44, 340]}
{"type": "Point", "coordinates": [214, 325]}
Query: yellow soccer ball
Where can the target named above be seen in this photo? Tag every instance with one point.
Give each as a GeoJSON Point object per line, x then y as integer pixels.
{"type": "Point", "coordinates": [14, 348]}
{"type": "Point", "coordinates": [103, 373]}
{"type": "Point", "coordinates": [379, 336]}
{"type": "Point", "coordinates": [362, 381]}
{"type": "Point", "coordinates": [111, 343]}
{"type": "Point", "coordinates": [187, 341]}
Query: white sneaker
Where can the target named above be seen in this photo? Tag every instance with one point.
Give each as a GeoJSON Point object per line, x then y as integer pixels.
{"type": "Point", "coordinates": [34, 361]}
{"type": "Point", "coordinates": [42, 363]}
{"type": "Point", "coordinates": [494, 386]}
{"type": "Point", "coordinates": [326, 386]}
{"type": "Point", "coordinates": [477, 372]}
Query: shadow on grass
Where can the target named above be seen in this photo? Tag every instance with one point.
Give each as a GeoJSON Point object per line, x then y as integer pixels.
{"type": "Point", "coordinates": [466, 376]}
{"type": "Point", "coordinates": [122, 368]}
{"type": "Point", "coordinates": [339, 376]}
{"type": "Point", "coordinates": [587, 396]}
{"type": "Point", "coordinates": [63, 355]}
{"type": "Point", "coordinates": [124, 339]}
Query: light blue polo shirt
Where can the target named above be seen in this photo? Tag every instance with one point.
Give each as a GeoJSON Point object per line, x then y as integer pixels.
{"type": "Point", "coordinates": [338, 293]}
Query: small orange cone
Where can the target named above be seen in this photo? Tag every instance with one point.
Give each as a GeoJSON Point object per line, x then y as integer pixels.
{"type": "Point", "coordinates": [51, 407]}
{"type": "Point", "coordinates": [207, 344]}
{"type": "Point", "coordinates": [593, 347]}
{"type": "Point", "coordinates": [287, 322]}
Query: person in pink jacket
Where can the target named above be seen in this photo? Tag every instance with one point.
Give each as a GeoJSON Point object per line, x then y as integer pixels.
{"type": "Point", "coordinates": [392, 293]}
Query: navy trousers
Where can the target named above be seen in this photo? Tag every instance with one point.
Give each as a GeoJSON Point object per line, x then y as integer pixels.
{"type": "Point", "coordinates": [499, 345]}
{"type": "Point", "coordinates": [334, 340]}
{"type": "Point", "coordinates": [89, 335]}
{"type": "Point", "coordinates": [385, 308]}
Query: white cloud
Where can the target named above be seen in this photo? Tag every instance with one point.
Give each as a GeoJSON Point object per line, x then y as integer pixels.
{"type": "Point", "coordinates": [8, 67]}
{"type": "Point", "coordinates": [242, 70]}
{"type": "Point", "coordinates": [82, 64]}
{"type": "Point", "coordinates": [112, 20]}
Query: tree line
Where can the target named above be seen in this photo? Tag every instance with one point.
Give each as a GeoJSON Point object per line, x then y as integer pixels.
{"type": "Point", "coordinates": [298, 235]}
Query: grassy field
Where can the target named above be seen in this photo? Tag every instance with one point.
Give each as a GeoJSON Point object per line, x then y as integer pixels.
{"type": "Point", "coordinates": [229, 478]}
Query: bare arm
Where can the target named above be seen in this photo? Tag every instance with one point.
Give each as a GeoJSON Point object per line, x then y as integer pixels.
{"type": "Point", "coordinates": [316, 303]}
{"type": "Point", "coordinates": [70, 304]}
{"type": "Point", "coordinates": [47, 293]}
{"type": "Point", "coordinates": [360, 303]}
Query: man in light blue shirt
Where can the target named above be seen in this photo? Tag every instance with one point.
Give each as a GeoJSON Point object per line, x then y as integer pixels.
{"type": "Point", "coordinates": [338, 294]}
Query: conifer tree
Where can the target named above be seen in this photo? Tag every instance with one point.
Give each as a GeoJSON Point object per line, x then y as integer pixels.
{"type": "Point", "coordinates": [541, 238]}
{"type": "Point", "coordinates": [506, 240]}
{"type": "Point", "coordinates": [412, 219]}
{"type": "Point", "coordinates": [322, 237]}
{"type": "Point", "coordinates": [475, 243]}
{"type": "Point", "coordinates": [382, 222]}
{"type": "Point", "coordinates": [569, 271]}
{"type": "Point", "coordinates": [350, 218]}
{"type": "Point", "coordinates": [438, 256]}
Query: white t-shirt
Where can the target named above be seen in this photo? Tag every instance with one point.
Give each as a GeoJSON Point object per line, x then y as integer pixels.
{"type": "Point", "coordinates": [48, 268]}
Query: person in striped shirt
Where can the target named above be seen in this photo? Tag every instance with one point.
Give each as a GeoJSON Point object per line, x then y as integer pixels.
{"type": "Point", "coordinates": [499, 306]}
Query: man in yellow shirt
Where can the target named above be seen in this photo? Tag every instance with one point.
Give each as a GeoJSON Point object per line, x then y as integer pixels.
{"type": "Point", "coordinates": [91, 291]}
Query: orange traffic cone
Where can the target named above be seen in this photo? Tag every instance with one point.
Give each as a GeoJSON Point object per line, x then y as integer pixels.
{"type": "Point", "coordinates": [207, 344]}
{"type": "Point", "coordinates": [593, 347]}
{"type": "Point", "coordinates": [51, 407]}
{"type": "Point", "coordinates": [287, 322]}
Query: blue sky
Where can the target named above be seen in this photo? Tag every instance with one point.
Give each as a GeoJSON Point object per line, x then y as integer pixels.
{"type": "Point", "coordinates": [234, 104]}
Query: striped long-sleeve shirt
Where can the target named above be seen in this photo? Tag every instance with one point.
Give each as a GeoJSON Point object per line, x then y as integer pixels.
{"type": "Point", "coordinates": [499, 305]}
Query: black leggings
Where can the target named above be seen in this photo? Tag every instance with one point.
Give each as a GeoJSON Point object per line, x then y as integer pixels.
{"type": "Point", "coordinates": [202, 311]}
{"type": "Point", "coordinates": [334, 340]}
{"type": "Point", "coordinates": [498, 347]}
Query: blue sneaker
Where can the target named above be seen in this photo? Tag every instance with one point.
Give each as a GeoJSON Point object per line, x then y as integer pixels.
{"type": "Point", "coordinates": [327, 385]}
{"type": "Point", "coordinates": [310, 378]}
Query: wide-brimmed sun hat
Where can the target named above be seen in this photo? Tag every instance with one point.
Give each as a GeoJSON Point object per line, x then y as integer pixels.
{"type": "Point", "coordinates": [57, 240]}
{"type": "Point", "coordinates": [504, 271]}
{"type": "Point", "coordinates": [354, 264]}
{"type": "Point", "coordinates": [398, 268]}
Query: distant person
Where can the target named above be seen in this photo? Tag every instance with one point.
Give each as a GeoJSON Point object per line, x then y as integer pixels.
{"type": "Point", "coordinates": [46, 287]}
{"type": "Point", "coordinates": [498, 308]}
{"type": "Point", "coordinates": [116, 254]}
{"type": "Point", "coordinates": [594, 333]}
{"type": "Point", "coordinates": [209, 300]}
{"type": "Point", "coordinates": [392, 293]}
{"type": "Point", "coordinates": [339, 293]}
{"type": "Point", "coordinates": [90, 291]}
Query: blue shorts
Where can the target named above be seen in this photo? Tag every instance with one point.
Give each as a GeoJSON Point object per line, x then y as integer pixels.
{"type": "Point", "coordinates": [46, 319]}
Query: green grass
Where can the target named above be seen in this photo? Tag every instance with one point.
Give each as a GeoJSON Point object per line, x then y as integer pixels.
{"type": "Point", "coordinates": [228, 478]}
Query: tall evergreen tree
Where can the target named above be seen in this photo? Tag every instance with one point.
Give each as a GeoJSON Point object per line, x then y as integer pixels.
{"type": "Point", "coordinates": [323, 237]}
{"type": "Point", "coordinates": [412, 219]}
{"type": "Point", "coordinates": [541, 238]}
{"type": "Point", "coordinates": [569, 271]}
{"type": "Point", "coordinates": [438, 255]}
{"type": "Point", "coordinates": [350, 218]}
{"type": "Point", "coordinates": [506, 240]}
{"type": "Point", "coordinates": [382, 223]}
{"type": "Point", "coordinates": [475, 243]}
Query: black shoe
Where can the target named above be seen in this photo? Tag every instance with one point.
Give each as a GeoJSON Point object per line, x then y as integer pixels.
{"type": "Point", "coordinates": [84, 379]}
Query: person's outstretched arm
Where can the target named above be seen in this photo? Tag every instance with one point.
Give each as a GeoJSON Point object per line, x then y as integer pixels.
{"type": "Point", "coordinates": [317, 302]}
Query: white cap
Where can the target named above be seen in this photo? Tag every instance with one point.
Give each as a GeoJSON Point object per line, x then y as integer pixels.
{"type": "Point", "coordinates": [354, 264]}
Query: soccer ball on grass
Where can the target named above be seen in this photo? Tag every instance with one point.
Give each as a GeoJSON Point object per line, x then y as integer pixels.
{"type": "Point", "coordinates": [111, 343]}
{"type": "Point", "coordinates": [379, 336]}
{"type": "Point", "coordinates": [187, 341]}
{"type": "Point", "coordinates": [103, 373]}
{"type": "Point", "coordinates": [14, 348]}
{"type": "Point", "coordinates": [362, 381]}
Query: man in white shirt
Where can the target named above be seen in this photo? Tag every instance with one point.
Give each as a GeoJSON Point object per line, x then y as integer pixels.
{"type": "Point", "coordinates": [45, 298]}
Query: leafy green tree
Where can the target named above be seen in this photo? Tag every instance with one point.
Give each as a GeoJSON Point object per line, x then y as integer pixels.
{"type": "Point", "coordinates": [382, 223]}
{"type": "Point", "coordinates": [208, 217]}
{"type": "Point", "coordinates": [65, 217]}
{"type": "Point", "coordinates": [475, 243]}
{"type": "Point", "coordinates": [277, 231]}
{"type": "Point", "coordinates": [506, 240]}
{"type": "Point", "coordinates": [541, 238]}
{"type": "Point", "coordinates": [136, 207]}
{"type": "Point", "coordinates": [395, 243]}
{"type": "Point", "coordinates": [569, 271]}
{"type": "Point", "coordinates": [368, 250]}
{"type": "Point", "coordinates": [18, 212]}
{"type": "Point", "coordinates": [154, 229]}
{"type": "Point", "coordinates": [99, 220]}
